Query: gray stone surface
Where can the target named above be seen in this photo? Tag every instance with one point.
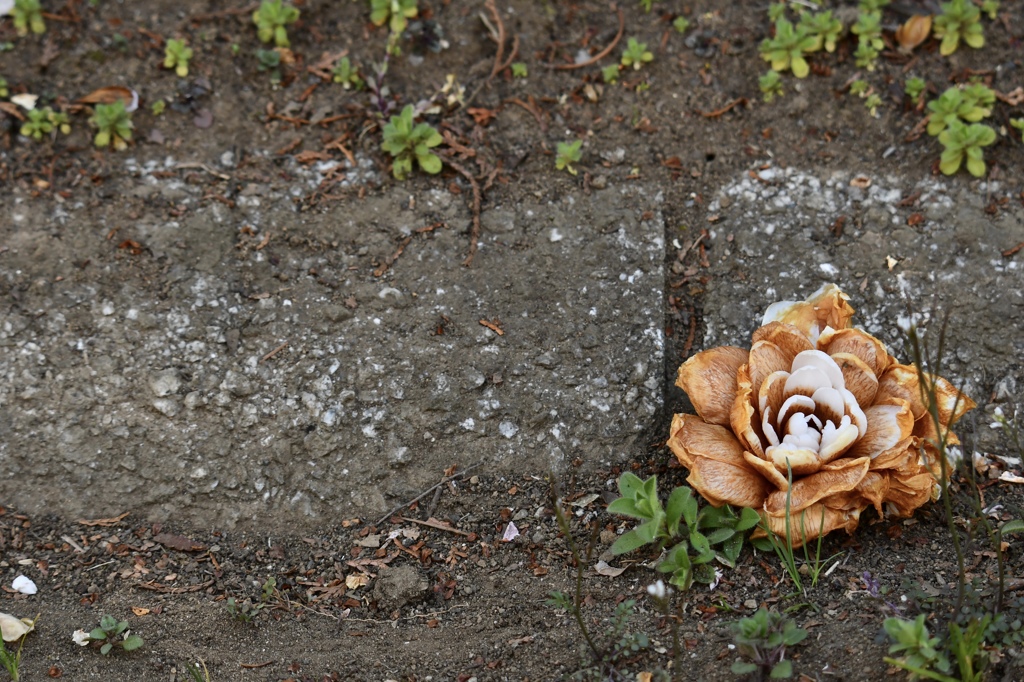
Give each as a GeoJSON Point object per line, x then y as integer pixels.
{"type": "Point", "coordinates": [164, 394]}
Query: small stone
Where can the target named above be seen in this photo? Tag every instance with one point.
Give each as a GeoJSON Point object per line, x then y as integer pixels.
{"type": "Point", "coordinates": [166, 406]}
{"type": "Point", "coordinates": [750, 604]}
{"type": "Point", "coordinates": [399, 586]}
{"type": "Point", "coordinates": [599, 182]}
{"type": "Point", "coordinates": [547, 360]}
{"type": "Point", "coordinates": [236, 384]}
{"type": "Point", "coordinates": [165, 382]}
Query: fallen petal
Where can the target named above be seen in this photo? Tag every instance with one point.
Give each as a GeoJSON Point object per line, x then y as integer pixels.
{"type": "Point", "coordinates": [1010, 477]}
{"type": "Point", "coordinates": [24, 585]}
{"type": "Point", "coordinates": [13, 628]}
{"type": "Point", "coordinates": [605, 569]}
{"type": "Point", "coordinates": [914, 32]}
{"type": "Point", "coordinates": [511, 533]}
{"type": "Point", "coordinates": [709, 379]}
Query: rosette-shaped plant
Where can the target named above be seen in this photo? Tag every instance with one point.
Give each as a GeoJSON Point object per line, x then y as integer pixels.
{"type": "Point", "coordinates": [822, 404]}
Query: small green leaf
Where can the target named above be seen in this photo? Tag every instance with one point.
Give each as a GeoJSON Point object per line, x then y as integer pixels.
{"type": "Point", "coordinates": [626, 507]}
{"type": "Point", "coordinates": [627, 542]}
{"type": "Point", "coordinates": [1012, 526]}
{"type": "Point", "coordinates": [105, 649]}
{"type": "Point", "coordinates": [132, 642]}
{"type": "Point", "coordinates": [98, 633]}
{"type": "Point", "coordinates": [743, 668]}
{"type": "Point", "coordinates": [630, 484]}
{"type": "Point", "coordinates": [782, 670]}
{"type": "Point", "coordinates": [748, 519]}
{"type": "Point", "coordinates": [430, 163]}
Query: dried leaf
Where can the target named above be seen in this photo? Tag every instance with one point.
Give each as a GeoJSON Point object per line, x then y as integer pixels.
{"type": "Point", "coordinates": [914, 32]}
{"type": "Point", "coordinates": [112, 521]}
{"type": "Point", "coordinates": [356, 580]}
{"type": "Point", "coordinates": [178, 542]}
{"type": "Point", "coordinates": [140, 610]}
{"type": "Point", "coordinates": [111, 94]}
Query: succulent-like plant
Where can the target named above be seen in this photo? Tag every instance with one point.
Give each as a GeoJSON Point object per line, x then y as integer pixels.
{"type": "Point", "coordinates": [114, 125]}
{"type": "Point", "coordinates": [270, 61]}
{"type": "Point", "coordinates": [823, 27]}
{"type": "Point", "coordinates": [762, 640]}
{"type": "Point", "coordinates": [636, 54]}
{"type": "Point", "coordinates": [28, 15]}
{"type": "Point", "coordinates": [407, 142]}
{"type": "Point", "coordinates": [610, 73]}
{"type": "Point", "coordinates": [3, 87]}
{"type": "Point", "coordinates": [962, 142]}
{"type": "Point", "coordinates": [271, 19]}
{"type": "Point", "coordinates": [42, 122]}
{"type": "Point", "coordinates": [681, 24]}
{"type": "Point", "coordinates": [347, 75]}
{"type": "Point", "coordinates": [786, 50]}
{"type": "Point", "coordinates": [394, 12]}
{"type": "Point", "coordinates": [176, 56]}
{"type": "Point", "coordinates": [771, 85]}
{"type": "Point", "coordinates": [1018, 123]}
{"type": "Point", "coordinates": [960, 20]}
{"type": "Point", "coordinates": [914, 88]}
{"type": "Point", "coordinates": [919, 649]}
{"type": "Point", "coordinates": [969, 104]}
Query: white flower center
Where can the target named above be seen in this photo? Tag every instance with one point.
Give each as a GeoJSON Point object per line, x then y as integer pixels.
{"type": "Point", "coordinates": [819, 419]}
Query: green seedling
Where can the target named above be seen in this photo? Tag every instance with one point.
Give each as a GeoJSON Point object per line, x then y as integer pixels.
{"type": "Point", "coordinates": [114, 125]}
{"type": "Point", "coordinates": [271, 19]}
{"type": "Point", "coordinates": [711, 533]}
{"type": "Point", "coordinates": [872, 5]}
{"type": "Point", "coordinates": [347, 75]}
{"type": "Point", "coordinates": [28, 15]}
{"type": "Point", "coordinates": [568, 154]}
{"type": "Point", "coordinates": [196, 673]}
{"type": "Point", "coordinates": [776, 11]}
{"type": "Point", "coordinates": [3, 87]}
{"type": "Point", "coordinates": [394, 12]}
{"type": "Point", "coordinates": [771, 85]}
{"type": "Point", "coordinates": [112, 633]}
{"type": "Point", "coordinates": [786, 50]}
{"type": "Point", "coordinates": [962, 142]}
{"type": "Point", "coordinates": [681, 24]}
{"type": "Point", "coordinates": [1018, 123]}
{"type": "Point", "coordinates": [920, 651]}
{"type": "Point", "coordinates": [158, 107]}
{"type": "Point", "coordinates": [868, 29]}
{"type": "Point", "coordinates": [246, 611]}
{"type": "Point", "coordinates": [859, 87]}
{"type": "Point", "coordinates": [610, 73]}
{"type": "Point", "coordinates": [636, 54]}
{"type": "Point", "coordinates": [519, 70]}
{"type": "Point", "coordinates": [865, 56]}
{"type": "Point", "coordinates": [43, 122]}
{"type": "Point", "coordinates": [824, 28]}
{"type": "Point", "coordinates": [872, 103]}
{"type": "Point", "coordinates": [990, 8]}
{"type": "Point", "coordinates": [968, 105]}
{"type": "Point", "coordinates": [762, 639]}
{"type": "Point", "coordinates": [407, 142]}
{"type": "Point", "coordinates": [647, 4]}
{"type": "Point", "coordinates": [176, 56]}
{"type": "Point", "coordinates": [960, 20]}
{"type": "Point", "coordinates": [914, 88]}
{"type": "Point", "coordinates": [270, 61]}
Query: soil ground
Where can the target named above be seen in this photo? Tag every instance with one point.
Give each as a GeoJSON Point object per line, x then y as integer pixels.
{"type": "Point", "coordinates": [246, 336]}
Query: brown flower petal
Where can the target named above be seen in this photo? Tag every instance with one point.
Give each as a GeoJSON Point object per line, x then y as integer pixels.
{"type": "Point", "coordinates": [874, 487]}
{"type": "Point", "coordinates": [693, 438]}
{"type": "Point", "coordinates": [827, 307]}
{"type": "Point", "coordinates": [887, 426]}
{"type": "Point", "coordinates": [801, 461]}
{"type": "Point", "coordinates": [859, 377]}
{"type": "Point", "coordinates": [741, 419]}
{"type": "Point", "coordinates": [896, 456]}
{"type": "Point", "coordinates": [856, 342]}
{"type": "Point", "coordinates": [837, 477]}
{"type": "Point", "coordinates": [709, 379]}
{"type": "Point", "coordinates": [952, 404]}
{"type": "Point", "coordinates": [786, 337]}
{"type": "Point", "coordinates": [722, 483]}
{"type": "Point", "coordinates": [914, 32]}
{"type": "Point", "coordinates": [766, 358]}
{"type": "Point", "coordinates": [768, 470]}
{"type": "Point", "coordinates": [901, 381]}
{"type": "Point", "coordinates": [907, 494]}
{"type": "Point", "coordinates": [816, 520]}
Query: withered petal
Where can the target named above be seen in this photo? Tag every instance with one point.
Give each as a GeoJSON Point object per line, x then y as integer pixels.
{"type": "Point", "coordinates": [859, 377]}
{"type": "Point", "coordinates": [741, 419]}
{"type": "Point", "coordinates": [836, 477]}
{"type": "Point", "coordinates": [874, 487]}
{"type": "Point", "coordinates": [692, 438]}
{"type": "Point", "coordinates": [887, 426]}
{"type": "Point", "coordinates": [896, 456]}
{"type": "Point", "coordinates": [901, 381]}
{"type": "Point", "coordinates": [907, 494]}
{"type": "Point", "coordinates": [768, 470]}
{"type": "Point", "coordinates": [827, 307]}
{"type": "Point", "coordinates": [766, 358]}
{"type": "Point", "coordinates": [856, 342]}
{"type": "Point", "coordinates": [789, 339]}
{"type": "Point", "coordinates": [709, 379]}
{"type": "Point", "coordinates": [722, 483]}
{"type": "Point", "coordinates": [818, 519]}
{"type": "Point", "coordinates": [801, 461]}
{"type": "Point", "coordinates": [952, 403]}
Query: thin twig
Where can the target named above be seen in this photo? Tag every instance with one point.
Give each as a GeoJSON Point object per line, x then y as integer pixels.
{"type": "Point", "coordinates": [474, 232]}
{"type": "Point", "coordinates": [600, 55]}
{"type": "Point", "coordinates": [273, 352]}
{"type": "Point", "coordinates": [500, 39]}
{"type": "Point", "coordinates": [443, 481]}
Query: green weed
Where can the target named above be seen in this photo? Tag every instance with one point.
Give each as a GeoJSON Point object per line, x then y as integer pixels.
{"type": "Point", "coordinates": [176, 56]}
{"type": "Point", "coordinates": [964, 143]}
{"type": "Point", "coordinates": [407, 143]}
{"type": "Point", "coordinates": [114, 125]}
{"type": "Point", "coordinates": [271, 19]}
{"type": "Point", "coordinates": [771, 85]}
{"type": "Point", "coordinates": [396, 13]}
{"type": "Point", "coordinates": [347, 75]}
{"type": "Point", "coordinates": [960, 20]}
{"type": "Point", "coordinates": [636, 54]}
{"type": "Point", "coordinates": [28, 15]}
{"type": "Point", "coordinates": [786, 50]}
{"type": "Point", "coordinates": [114, 633]}
{"type": "Point", "coordinates": [762, 639]}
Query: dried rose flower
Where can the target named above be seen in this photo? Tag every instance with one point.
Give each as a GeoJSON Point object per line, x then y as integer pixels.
{"type": "Point", "coordinates": [823, 400]}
